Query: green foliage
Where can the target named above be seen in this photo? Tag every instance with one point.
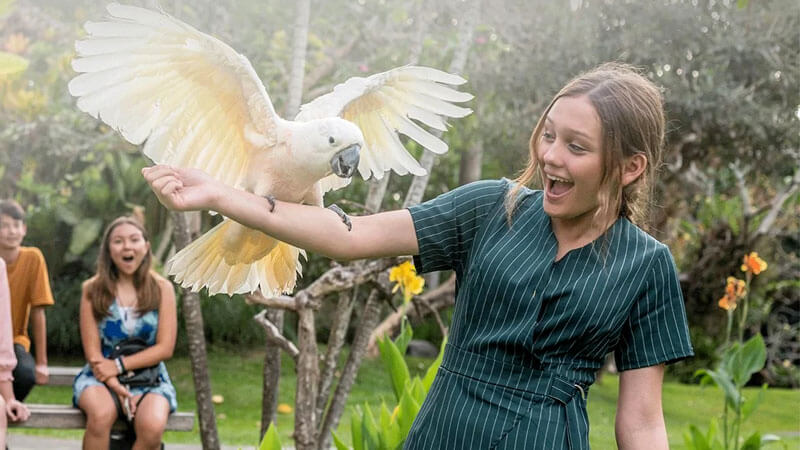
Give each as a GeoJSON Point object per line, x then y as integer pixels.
{"type": "Point", "coordinates": [11, 64]}
{"type": "Point", "coordinates": [390, 429]}
{"type": "Point", "coordinates": [271, 439]}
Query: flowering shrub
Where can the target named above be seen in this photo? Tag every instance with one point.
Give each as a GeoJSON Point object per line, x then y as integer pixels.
{"type": "Point", "coordinates": [740, 360]}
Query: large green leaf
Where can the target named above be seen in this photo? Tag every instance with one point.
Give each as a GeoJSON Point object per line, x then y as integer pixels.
{"type": "Point", "coordinates": [434, 367]}
{"type": "Point", "coordinates": [11, 64]}
{"type": "Point", "coordinates": [750, 405]}
{"type": "Point", "coordinates": [695, 439]}
{"type": "Point", "coordinates": [395, 364]}
{"type": "Point", "coordinates": [753, 442]}
{"type": "Point", "coordinates": [722, 379]}
{"type": "Point", "coordinates": [406, 333]}
{"type": "Point", "coordinates": [84, 234]}
{"type": "Point", "coordinates": [749, 359]}
{"type": "Point", "coordinates": [407, 411]}
{"type": "Point", "coordinates": [356, 418]}
{"type": "Point", "coordinates": [271, 439]}
{"type": "Point", "coordinates": [340, 445]}
{"type": "Point", "coordinates": [369, 429]}
{"type": "Point", "coordinates": [390, 430]}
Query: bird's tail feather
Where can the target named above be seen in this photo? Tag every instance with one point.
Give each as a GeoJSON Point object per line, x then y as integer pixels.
{"type": "Point", "coordinates": [209, 262]}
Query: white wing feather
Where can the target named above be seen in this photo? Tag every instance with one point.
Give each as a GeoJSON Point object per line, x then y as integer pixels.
{"type": "Point", "coordinates": [383, 105]}
{"type": "Point", "coordinates": [187, 94]}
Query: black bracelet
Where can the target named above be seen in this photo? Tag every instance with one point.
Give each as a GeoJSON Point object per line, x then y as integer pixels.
{"type": "Point", "coordinates": [121, 364]}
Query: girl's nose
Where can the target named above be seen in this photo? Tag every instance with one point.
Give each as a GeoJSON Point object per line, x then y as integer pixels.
{"type": "Point", "coordinates": [551, 154]}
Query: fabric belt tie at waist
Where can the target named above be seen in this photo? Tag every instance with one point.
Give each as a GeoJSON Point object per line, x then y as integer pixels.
{"type": "Point", "coordinates": [524, 378]}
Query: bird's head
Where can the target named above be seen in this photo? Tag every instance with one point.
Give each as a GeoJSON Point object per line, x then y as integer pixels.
{"type": "Point", "coordinates": [330, 145]}
{"type": "Point", "coordinates": [344, 140]}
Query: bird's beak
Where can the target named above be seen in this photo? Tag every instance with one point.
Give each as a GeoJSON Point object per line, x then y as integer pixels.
{"type": "Point", "coordinates": [345, 162]}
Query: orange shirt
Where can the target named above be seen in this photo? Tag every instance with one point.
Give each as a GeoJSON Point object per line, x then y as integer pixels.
{"type": "Point", "coordinates": [30, 286]}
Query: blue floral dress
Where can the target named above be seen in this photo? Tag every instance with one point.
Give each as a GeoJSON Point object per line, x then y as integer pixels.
{"type": "Point", "coordinates": [113, 329]}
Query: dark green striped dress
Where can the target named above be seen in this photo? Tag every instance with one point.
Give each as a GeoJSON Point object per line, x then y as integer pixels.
{"type": "Point", "coordinates": [528, 333]}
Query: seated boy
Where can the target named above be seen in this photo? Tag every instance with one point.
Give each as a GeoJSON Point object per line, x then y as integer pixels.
{"type": "Point", "coordinates": [30, 292]}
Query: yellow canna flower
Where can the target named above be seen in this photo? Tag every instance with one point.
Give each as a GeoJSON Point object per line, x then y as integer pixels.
{"type": "Point", "coordinates": [753, 264]}
{"type": "Point", "coordinates": [405, 275]}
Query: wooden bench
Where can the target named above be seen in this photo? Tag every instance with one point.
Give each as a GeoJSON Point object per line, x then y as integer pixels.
{"type": "Point", "coordinates": [62, 376]}
{"type": "Point", "coordinates": [67, 417]}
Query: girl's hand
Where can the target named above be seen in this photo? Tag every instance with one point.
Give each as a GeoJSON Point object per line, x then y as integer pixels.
{"type": "Point", "coordinates": [182, 189]}
{"type": "Point", "coordinates": [125, 397]}
{"type": "Point", "coordinates": [17, 411]}
{"type": "Point", "coordinates": [104, 369]}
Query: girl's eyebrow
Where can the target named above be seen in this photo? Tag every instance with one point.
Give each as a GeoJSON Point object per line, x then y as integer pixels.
{"type": "Point", "coordinates": [571, 130]}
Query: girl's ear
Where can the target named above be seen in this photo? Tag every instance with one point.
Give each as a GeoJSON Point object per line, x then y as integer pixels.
{"type": "Point", "coordinates": [633, 167]}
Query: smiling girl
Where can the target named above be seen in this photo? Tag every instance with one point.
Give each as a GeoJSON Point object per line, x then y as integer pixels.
{"type": "Point", "coordinates": [125, 298]}
{"type": "Point", "coordinates": [549, 281]}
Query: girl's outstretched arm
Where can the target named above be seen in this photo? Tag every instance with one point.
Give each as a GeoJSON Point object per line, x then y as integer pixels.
{"type": "Point", "coordinates": [309, 227]}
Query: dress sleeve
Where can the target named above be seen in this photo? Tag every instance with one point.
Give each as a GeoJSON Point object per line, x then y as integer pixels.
{"type": "Point", "coordinates": [7, 359]}
{"type": "Point", "coordinates": [447, 224]}
{"type": "Point", "coordinates": [41, 295]}
{"type": "Point", "coordinates": [656, 330]}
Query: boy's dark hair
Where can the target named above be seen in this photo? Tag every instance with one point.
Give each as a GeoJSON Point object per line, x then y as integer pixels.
{"type": "Point", "coordinates": [12, 209]}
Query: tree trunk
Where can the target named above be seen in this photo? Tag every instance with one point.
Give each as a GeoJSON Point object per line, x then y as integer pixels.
{"type": "Point", "coordinates": [271, 373]}
{"type": "Point", "coordinates": [305, 417]}
{"type": "Point", "coordinates": [298, 67]}
{"type": "Point", "coordinates": [470, 167]}
{"type": "Point", "coordinates": [369, 317]}
{"type": "Point", "coordinates": [339, 325]}
{"type": "Point", "coordinates": [193, 317]}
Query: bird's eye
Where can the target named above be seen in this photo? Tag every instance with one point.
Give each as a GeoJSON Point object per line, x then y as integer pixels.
{"type": "Point", "coordinates": [331, 140]}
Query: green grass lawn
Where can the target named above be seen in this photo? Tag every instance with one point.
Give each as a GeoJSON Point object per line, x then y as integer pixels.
{"type": "Point", "coordinates": [237, 377]}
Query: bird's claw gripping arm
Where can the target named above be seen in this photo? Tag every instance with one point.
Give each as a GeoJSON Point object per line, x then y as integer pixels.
{"type": "Point", "coordinates": [271, 200]}
{"type": "Point", "coordinates": [342, 214]}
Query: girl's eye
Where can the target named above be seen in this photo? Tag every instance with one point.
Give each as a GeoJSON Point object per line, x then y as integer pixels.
{"type": "Point", "coordinates": [576, 148]}
{"type": "Point", "coordinates": [548, 135]}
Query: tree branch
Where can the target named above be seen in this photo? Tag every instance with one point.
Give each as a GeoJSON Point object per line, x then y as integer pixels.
{"type": "Point", "coordinates": [281, 302]}
{"type": "Point", "coordinates": [747, 205]}
{"type": "Point", "coordinates": [275, 336]}
{"type": "Point", "coordinates": [777, 202]}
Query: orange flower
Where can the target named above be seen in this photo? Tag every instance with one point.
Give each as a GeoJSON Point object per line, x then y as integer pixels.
{"type": "Point", "coordinates": [727, 303]}
{"type": "Point", "coordinates": [753, 264]}
{"type": "Point", "coordinates": [735, 289]}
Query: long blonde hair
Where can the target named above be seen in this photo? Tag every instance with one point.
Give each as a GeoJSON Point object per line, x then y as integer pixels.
{"type": "Point", "coordinates": [102, 287]}
{"type": "Point", "coordinates": [631, 112]}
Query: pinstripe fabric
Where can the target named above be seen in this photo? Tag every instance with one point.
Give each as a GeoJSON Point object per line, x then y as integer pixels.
{"type": "Point", "coordinates": [529, 333]}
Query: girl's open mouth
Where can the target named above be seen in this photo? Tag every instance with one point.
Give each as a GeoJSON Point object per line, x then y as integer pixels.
{"type": "Point", "coordinates": [557, 187]}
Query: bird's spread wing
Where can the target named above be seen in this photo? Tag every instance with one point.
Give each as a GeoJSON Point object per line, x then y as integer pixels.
{"type": "Point", "coordinates": [383, 105]}
{"type": "Point", "coordinates": [189, 95]}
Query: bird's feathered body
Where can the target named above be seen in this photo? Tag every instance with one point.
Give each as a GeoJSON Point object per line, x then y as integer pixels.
{"type": "Point", "coordinates": [195, 102]}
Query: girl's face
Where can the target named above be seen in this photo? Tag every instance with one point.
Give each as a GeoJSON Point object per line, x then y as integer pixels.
{"type": "Point", "coordinates": [127, 248]}
{"type": "Point", "coordinates": [571, 160]}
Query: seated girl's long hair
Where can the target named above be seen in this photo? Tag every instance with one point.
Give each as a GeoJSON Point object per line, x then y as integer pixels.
{"type": "Point", "coordinates": [102, 287]}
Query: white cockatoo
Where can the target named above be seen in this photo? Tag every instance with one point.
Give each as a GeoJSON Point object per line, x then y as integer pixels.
{"type": "Point", "coordinates": [195, 102]}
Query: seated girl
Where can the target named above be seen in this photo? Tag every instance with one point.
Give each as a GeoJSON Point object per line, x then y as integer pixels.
{"type": "Point", "coordinates": [125, 298]}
